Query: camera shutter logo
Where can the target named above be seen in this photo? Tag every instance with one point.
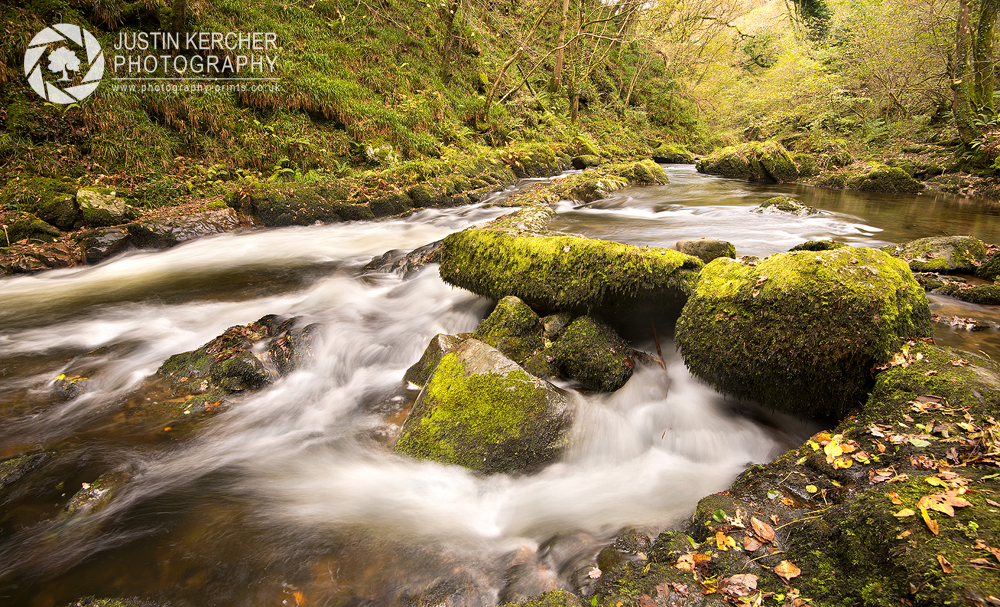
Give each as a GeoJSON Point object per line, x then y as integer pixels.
{"type": "Point", "coordinates": [49, 77]}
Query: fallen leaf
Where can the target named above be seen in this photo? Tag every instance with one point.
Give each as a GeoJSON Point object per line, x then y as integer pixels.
{"type": "Point", "coordinates": [681, 589]}
{"type": "Point", "coordinates": [931, 523]}
{"type": "Point", "coordinates": [904, 534]}
{"type": "Point", "coordinates": [750, 544]}
{"type": "Point", "coordinates": [843, 462]}
{"type": "Point", "coordinates": [739, 585]}
{"type": "Point", "coordinates": [812, 488]}
{"type": "Point", "coordinates": [786, 570]}
{"type": "Point", "coordinates": [594, 573]}
{"type": "Point", "coordinates": [772, 494]}
{"type": "Point", "coordinates": [723, 541]}
{"type": "Point", "coordinates": [646, 601]}
{"type": "Point", "coordinates": [663, 589]}
{"type": "Point", "coordinates": [774, 519]}
{"type": "Point", "coordinates": [945, 565]}
{"type": "Point", "coordinates": [788, 502]}
{"type": "Point", "coordinates": [762, 529]}
{"type": "Point", "coordinates": [904, 513]}
{"type": "Point", "coordinates": [894, 497]}
{"type": "Point", "coordinates": [981, 562]}
{"type": "Point", "coordinates": [918, 442]}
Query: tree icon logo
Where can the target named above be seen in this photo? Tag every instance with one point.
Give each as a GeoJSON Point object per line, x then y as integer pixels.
{"type": "Point", "coordinates": [52, 79]}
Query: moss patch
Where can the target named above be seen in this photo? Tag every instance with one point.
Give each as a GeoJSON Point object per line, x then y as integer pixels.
{"type": "Point", "coordinates": [958, 254]}
{"type": "Point", "coordinates": [800, 331]}
{"type": "Point", "coordinates": [592, 353]}
{"type": "Point", "coordinates": [756, 161]}
{"type": "Point", "coordinates": [513, 328]}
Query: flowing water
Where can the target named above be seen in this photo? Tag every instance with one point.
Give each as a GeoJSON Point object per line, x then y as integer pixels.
{"type": "Point", "coordinates": [290, 497]}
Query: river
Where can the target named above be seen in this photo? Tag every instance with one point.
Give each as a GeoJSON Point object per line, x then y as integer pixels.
{"type": "Point", "coordinates": [290, 497]}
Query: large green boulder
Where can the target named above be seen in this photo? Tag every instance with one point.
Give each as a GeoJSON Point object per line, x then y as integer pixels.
{"type": "Point", "coordinates": [706, 249]}
{"type": "Point", "coordinates": [947, 254]}
{"type": "Point", "coordinates": [672, 154]}
{"type": "Point", "coordinates": [801, 331]}
{"type": "Point", "coordinates": [101, 207]}
{"type": "Point", "coordinates": [564, 272]}
{"type": "Point", "coordinates": [784, 204]}
{"type": "Point", "coordinates": [48, 199]}
{"type": "Point", "coordinates": [482, 411]}
{"type": "Point", "coordinates": [756, 161]}
{"type": "Point", "coordinates": [883, 178]}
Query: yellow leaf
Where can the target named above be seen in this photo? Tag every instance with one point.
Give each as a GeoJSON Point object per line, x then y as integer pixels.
{"type": "Point", "coordinates": [931, 523]}
{"type": "Point", "coordinates": [842, 462]}
{"type": "Point", "coordinates": [904, 513]}
{"type": "Point", "coordinates": [786, 570]}
{"type": "Point", "coordinates": [723, 541]}
{"type": "Point", "coordinates": [895, 498]}
{"type": "Point", "coordinates": [812, 488]}
{"type": "Point", "coordinates": [945, 565]}
{"type": "Point", "coordinates": [935, 481]}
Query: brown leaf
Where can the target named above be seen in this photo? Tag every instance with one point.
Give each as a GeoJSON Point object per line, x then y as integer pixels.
{"type": "Point", "coordinates": [750, 544]}
{"type": "Point", "coordinates": [945, 565]}
{"type": "Point", "coordinates": [786, 570]}
{"type": "Point", "coordinates": [764, 531]}
{"type": "Point", "coordinates": [992, 503]}
{"type": "Point", "coordinates": [681, 589]}
{"type": "Point", "coordinates": [646, 601]}
{"type": "Point", "coordinates": [663, 589]}
{"type": "Point", "coordinates": [739, 585]}
{"type": "Point", "coordinates": [981, 562]}
{"type": "Point", "coordinates": [894, 497]}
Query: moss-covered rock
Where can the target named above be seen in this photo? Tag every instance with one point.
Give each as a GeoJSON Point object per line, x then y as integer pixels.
{"type": "Point", "coordinates": [537, 161]}
{"type": "Point", "coordinates": [644, 172]}
{"type": "Point", "coordinates": [706, 249]}
{"type": "Point", "coordinates": [784, 204]}
{"type": "Point", "coordinates": [818, 245]}
{"type": "Point", "coordinates": [946, 254]}
{"type": "Point", "coordinates": [756, 161]}
{"type": "Point", "coordinates": [987, 295]}
{"type": "Point", "coordinates": [990, 269]}
{"type": "Point", "coordinates": [883, 178]}
{"type": "Point", "coordinates": [15, 468]}
{"type": "Point", "coordinates": [672, 154]}
{"type": "Point", "coordinates": [95, 496]}
{"type": "Point", "coordinates": [480, 410]}
{"type": "Point", "coordinates": [102, 207]}
{"type": "Point", "coordinates": [592, 353]}
{"type": "Point", "coordinates": [285, 205]}
{"type": "Point", "coordinates": [552, 598]}
{"type": "Point", "coordinates": [129, 602]}
{"type": "Point", "coordinates": [563, 272]}
{"type": "Point", "coordinates": [440, 345]}
{"type": "Point", "coordinates": [48, 199]}
{"type": "Point", "coordinates": [800, 331]}
{"type": "Point", "coordinates": [807, 165]}
{"type": "Point", "coordinates": [513, 328]}
{"type": "Point", "coordinates": [586, 161]}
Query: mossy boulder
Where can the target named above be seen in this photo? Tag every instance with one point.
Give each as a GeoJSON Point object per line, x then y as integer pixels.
{"type": "Point", "coordinates": [15, 468]}
{"type": "Point", "coordinates": [945, 254]}
{"type": "Point", "coordinates": [801, 331]}
{"type": "Point", "coordinates": [102, 207]}
{"type": "Point", "coordinates": [883, 178]}
{"type": "Point", "coordinates": [48, 199]}
{"type": "Point", "coordinates": [706, 249]}
{"type": "Point", "coordinates": [286, 205]}
{"type": "Point", "coordinates": [807, 165]}
{"type": "Point", "coordinates": [784, 204]}
{"type": "Point", "coordinates": [564, 272]}
{"type": "Point", "coordinates": [672, 154]}
{"type": "Point", "coordinates": [644, 172]}
{"type": "Point", "coordinates": [129, 602]}
{"type": "Point", "coordinates": [18, 226]}
{"type": "Point", "coordinates": [482, 411]}
{"type": "Point", "coordinates": [538, 161]}
{"type": "Point", "coordinates": [990, 268]}
{"type": "Point", "coordinates": [513, 328]}
{"type": "Point", "coordinates": [592, 353]}
{"type": "Point", "coordinates": [755, 161]}
{"type": "Point", "coordinates": [95, 496]}
{"type": "Point", "coordinates": [585, 161]}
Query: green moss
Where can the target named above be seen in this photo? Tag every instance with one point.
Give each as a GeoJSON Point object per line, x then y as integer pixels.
{"type": "Point", "coordinates": [807, 165]}
{"type": "Point", "coordinates": [590, 352]}
{"type": "Point", "coordinates": [786, 205]}
{"type": "Point", "coordinates": [800, 331]}
{"type": "Point", "coordinates": [563, 272]}
{"type": "Point", "coordinates": [672, 154]}
{"type": "Point", "coordinates": [990, 269]}
{"type": "Point", "coordinates": [513, 328]}
{"type": "Point", "coordinates": [818, 245]}
{"type": "Point", "coordinates": [553, 598]}
{"type": "Point", "coordinates": [755, 161]}
{"type": "Point", "coordinates": [958, 254]}
{"type": "Point", "coordinates": [883, 178]}
{"type": "Point", "coordinates": [12, 470]}
{"type": "Point", "coordinates": [988, 295]}
{"type": "Point", "coordinates": [491, 422]}
{"type": "Point", "coordinates": [421, 371]}
{"type": "Point", "coordinates": [49, 199]}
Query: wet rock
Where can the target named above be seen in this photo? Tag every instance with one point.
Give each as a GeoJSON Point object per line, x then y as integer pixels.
{"type": "Point", "coordinates": [99, 245]}
{"type": "Point", "coordinates": [585, 161]}
{"type": "Point", "coordinates": [592, 353]}
{"type": "Point", "coordinates": [15, 468]}
{"type": "Point", "coordinates": [171, 231]}
{"type": "Point", "coordinates": [755, 161]}
{"type": "Point", "coordinates": [390, 206]}
{"type": "Point", "coordinates": [405, 263]}
{"type": "Point", "coordinates": [818, 245]}
{"type": "Point", "coordinates": [513, 328]}
{"type": "Point", "coordinates": [873, 178]}
{"type": "Point", "coordinates": [706, 249]}
{"type": "Point", "coordinates": [482, 411]}
{"type": "Point", "coordinates": [554, 324]}
{"type": "Point", "coordinates": [990, 269]}
{"type": "Point", "coordinates": [101, 207]}
{"type": "Point", "coordinates": [129, 602]}
{"type": "Point", "coordinates": [95, 496]}
{"type": "Point", "coordinates": [526, 577]}
{"type": "Point", "coordinates": [298, 204]}
{"type": "Point", "coordinates": [440, 345]}
{"type": "Point", "coordinates": [785, 205]}
{"type": "Point", "coordinates": [48, 199]}
{"type": "Point", "coordinates": [539, 161]}
{"type": "Point", "coordinates": [800, 331]}
{"type": "Point", "coordinates": [672, 154]}
{"type": "Point", "coordinates": [947, 254]}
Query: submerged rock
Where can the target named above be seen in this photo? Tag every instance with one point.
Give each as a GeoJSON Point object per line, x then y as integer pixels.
{"type": "Point", "coordinates": [706, 249]}
{"type": "Point", "coordinates": [946, 254]}
{"type": "Point", "coordinates": [785, 204]}
{"type": "Point", "coordinates": [480, 410]}
{"type": "Point", "coordinates": [800, 331]}
{"type": "Point", "coordinates": [15, 468]}
{"type": "Point", "coordinates": [755, 161]}
{"type": "Point", "coordinates": [990, 268]}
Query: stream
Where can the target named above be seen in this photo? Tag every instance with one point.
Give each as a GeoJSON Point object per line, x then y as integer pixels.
{"type": "Point", "coordinates": [290, 497]}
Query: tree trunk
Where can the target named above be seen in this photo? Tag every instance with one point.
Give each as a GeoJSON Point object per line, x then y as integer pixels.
{"type": "Point", "coordinates": [983, 62]}
{"type": "Point", "coordinates": [180, 15]}
{"type": "Point", "coordinates": [450, 14]}
{"type": "Point", "coordinates": [962, 80]}
{"type": "Point", "coordinates": [561, 41]}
